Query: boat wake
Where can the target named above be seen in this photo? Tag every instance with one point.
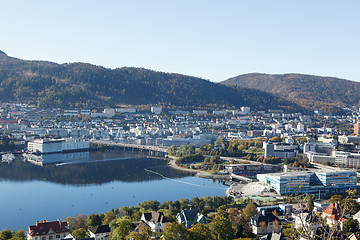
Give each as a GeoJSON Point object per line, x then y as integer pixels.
{"type": "Point", "coordinates": [179, 181]}
{"type": "Point", "coordinates": [87, 161]}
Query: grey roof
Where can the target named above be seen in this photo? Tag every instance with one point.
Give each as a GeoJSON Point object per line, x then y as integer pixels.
{"type": "Point", "coordinates": [266, 217]}
{"type": "Point", "coordinates": [100, 229]}
{"type": "Point", "coordinates": [155, 217]}
{"type": "Point", "coordinates": [191, 214]}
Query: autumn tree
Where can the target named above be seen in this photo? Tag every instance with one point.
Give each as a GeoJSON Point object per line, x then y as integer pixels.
{"type": "Point", "coordinates": [175, 231]}
{"type": "Point", "coordinates": [221, 228]}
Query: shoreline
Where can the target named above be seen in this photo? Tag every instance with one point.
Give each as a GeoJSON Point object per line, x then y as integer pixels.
{"type": "Point", "coordinates": [198, 173]}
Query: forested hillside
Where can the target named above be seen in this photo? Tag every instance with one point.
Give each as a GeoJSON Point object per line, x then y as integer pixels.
{"type": "Point", "coordinates": [75, 85]}
{"type": "Point", "coordinates": [313, 92]}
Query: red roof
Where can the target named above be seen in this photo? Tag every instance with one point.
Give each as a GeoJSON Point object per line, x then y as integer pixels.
{"type": "Point", "coordinates": [48, 228]}
{"type": "Point", "coordinates": [331, 209]}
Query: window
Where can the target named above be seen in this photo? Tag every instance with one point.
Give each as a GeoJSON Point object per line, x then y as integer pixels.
{"type": "Point", "coordinates": [43, 238]}
{"type": "Point", "coordinates": [50, 237]}
{"type": "Point", "coordinates": [57, 236]}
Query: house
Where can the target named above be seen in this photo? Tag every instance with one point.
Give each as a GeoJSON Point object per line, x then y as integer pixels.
{"type": "Point", "coordinates": [265, 223]}
{"type": "Point", "coordinates": [334, 215]}
{"type": "Point", "coordinates": [99, 232]}
{"type": "Point", "coordinates": [189, 217]}
{"type": "Point", "coordinates": [155, 220]}
{"type": "Point", "coordinates": [307, 222]}
{"type": "Point", "coordinates": [45, 230]}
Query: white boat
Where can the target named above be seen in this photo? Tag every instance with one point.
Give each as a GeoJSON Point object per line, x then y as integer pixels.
{"type": "Point", "coordinates": [9, 157]}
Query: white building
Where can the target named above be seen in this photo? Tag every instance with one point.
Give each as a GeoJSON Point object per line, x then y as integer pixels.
{"type": "Point", "coordinates": [109, 112]}
{"type": "Point", "coordinates": [45, 145]}
{"type": "Point", "coordinates": [156, 110]}
{"type": "Point", "coordinates": [155, 220]}
{"type": "Point", "coordinates": [125, 110]}
{"type": "Point", "coordinates": [99, 232]}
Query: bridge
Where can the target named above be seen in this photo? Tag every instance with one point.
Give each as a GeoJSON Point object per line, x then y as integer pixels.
{"type": "Point", "coordinates": [153, 150]}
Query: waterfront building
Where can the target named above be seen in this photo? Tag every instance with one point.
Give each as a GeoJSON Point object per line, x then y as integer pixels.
{"type": "Point", "coordinates": [303, 182]}
{"type": "Point", "coordinates": [47, 145]}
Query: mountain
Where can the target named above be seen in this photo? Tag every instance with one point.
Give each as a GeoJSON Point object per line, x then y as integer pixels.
{"type": "Point", "coordinates": [84, 85]}
{"type": "Point", "coordinates": [313, 92]}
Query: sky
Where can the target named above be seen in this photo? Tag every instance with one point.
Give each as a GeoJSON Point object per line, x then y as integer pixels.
{"type": "Point", "coordinates": [214, 40]}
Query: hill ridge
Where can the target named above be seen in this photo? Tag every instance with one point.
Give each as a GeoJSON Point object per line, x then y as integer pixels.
{"type": "Point", "coordinates": [79, 85]}
{"type": "Point", "coordinates": [309, 91]}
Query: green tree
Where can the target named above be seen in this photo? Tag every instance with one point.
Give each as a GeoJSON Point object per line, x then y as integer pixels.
{"type": "Point", "coordinates": [137, 236]}
{"type": "Point", "coordinates": [350, 226]}
{"type": "Point", "coordinates": [310, 202]}
{"type": "Point", "coordinates": [72, 223]}
{"type": "Point", "coordinates": [200, 232]}
{"type": "Point", "coordinates": [121, 230]}
{"type": "Point", "coordinates": [221, 229]}
{"type": "Point", "coordinates": [80, 233]}
{"type": "Point", "coordinates": [249, 211]}
{"type": "Point", "coordinates": [5, 234]}
{"type": "Point", "coordinates": [336, 199]}
{"type": "Point", "coordinates": [172, 150]}
{"type": "Point", "coordinates": [175, 231]}
{"type": "Point", "coordinates": [186, 150]}
{"type": "Point", "coordinates": [109, 216]}
{"type": "Point", "coordinates": [93, 220]}
{"type": "Point", "coordinates": [80, 221]}
{"type": "Point", "coordinates": [19, 235]}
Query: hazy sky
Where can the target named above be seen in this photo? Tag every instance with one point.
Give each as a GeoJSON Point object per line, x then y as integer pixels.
{"type": "Point", "coordinates": [214, 40]}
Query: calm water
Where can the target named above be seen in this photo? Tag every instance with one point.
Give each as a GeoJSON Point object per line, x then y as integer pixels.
{"type": "Point", "coordinates": [95, 183]}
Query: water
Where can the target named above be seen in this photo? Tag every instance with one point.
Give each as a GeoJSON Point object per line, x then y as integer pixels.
{"type": "Point", "coordinates": [30, 192]}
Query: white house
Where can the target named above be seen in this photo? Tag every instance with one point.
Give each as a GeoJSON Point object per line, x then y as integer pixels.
{"type": "Point", "coordinates": [99, 232]}
{"type": "Point", "coordinates": [155, 220]}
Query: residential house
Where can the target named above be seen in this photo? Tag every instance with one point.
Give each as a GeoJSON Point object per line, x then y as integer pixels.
{"type": "Point", "coordinates": [308, 222]}
{"type": "Point", "coordinates": [99, 232]}
{"type": "Point", "coordinates": [188, 217]}
{"type": "Point", "coordinates": [155, 220]}
{"type": "Point", "coordinates": [265, 223]}
{"type": "Point", "coordinates": [335, 215]}
{"type": "Point", "coordinates": [45, 230]}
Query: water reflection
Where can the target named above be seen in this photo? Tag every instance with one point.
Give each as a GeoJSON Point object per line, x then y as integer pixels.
{"type": "Point", "coordinates": [88, 168]}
